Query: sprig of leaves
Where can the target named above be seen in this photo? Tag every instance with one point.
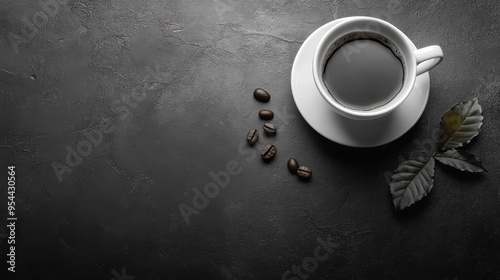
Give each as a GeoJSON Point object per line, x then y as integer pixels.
{"type": "Point", "coordinates": [414, 179]}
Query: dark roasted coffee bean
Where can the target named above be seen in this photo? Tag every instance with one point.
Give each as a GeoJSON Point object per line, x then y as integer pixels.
{"type": "Point", "coordinates": [261, 95]}
{"type": "Point", "coordinates": [293, 165]}
{"type": "Point", "coordinates": [304, 173]}
{"type": "Point", "coordinates": [270, 129]}
{"type": "Point", "coordinates": [268, 152]}
{"type": "Point", "coordinates": [252, 136]}
{"type": "Point", "coordinates": [266, 114]}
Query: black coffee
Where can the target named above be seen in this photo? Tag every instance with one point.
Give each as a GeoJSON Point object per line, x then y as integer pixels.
{"type": "Point", "coordinates": [363, 74]}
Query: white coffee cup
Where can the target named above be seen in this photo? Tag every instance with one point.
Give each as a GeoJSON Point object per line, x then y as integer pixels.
{"type": "Point", "coordinates": [415, 62]}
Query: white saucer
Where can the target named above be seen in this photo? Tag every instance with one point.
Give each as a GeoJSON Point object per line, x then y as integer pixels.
{"type": "Point", "coordinates": [368, 133]}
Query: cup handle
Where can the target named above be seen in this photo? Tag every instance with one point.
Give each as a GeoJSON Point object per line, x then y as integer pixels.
{"type": "Point", "coordinates": [427, 58]}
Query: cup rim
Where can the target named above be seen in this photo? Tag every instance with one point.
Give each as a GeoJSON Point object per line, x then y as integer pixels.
{"type": "Point", "coordinates": [410, 78]}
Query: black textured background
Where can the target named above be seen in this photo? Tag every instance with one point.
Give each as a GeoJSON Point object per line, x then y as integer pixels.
{"type": "Point", "coordinates": [193, 66]}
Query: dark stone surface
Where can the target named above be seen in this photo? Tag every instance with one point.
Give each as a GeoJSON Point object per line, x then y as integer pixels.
{"type": "Point", "coordinates": [187, 70]}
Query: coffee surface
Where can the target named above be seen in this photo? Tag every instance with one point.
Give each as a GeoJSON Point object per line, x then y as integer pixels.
{"type": "Point", "coordinates": [363, 74]}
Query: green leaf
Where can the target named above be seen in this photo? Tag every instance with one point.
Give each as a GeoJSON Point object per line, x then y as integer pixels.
{"type": "Point", "coordinates": [461, 160]}
{"type": "Point", "coordinates": [412, 181]}
{"type": "Point", "coordinates": [460, 124]}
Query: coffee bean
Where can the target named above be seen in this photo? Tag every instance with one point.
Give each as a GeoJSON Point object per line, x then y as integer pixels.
{"type": "Point", "coordinates": [269, 129]}
{"type": "Point", "coordinates": [293, 165]}
{"type": "Point", "coordinates": [304, 173]}
{"type": "Point", "coordinates": [268, 152]}
{"type": "Point", "coordinates": [252, 136]}
{"type": "Point", "coordinates": [266, 114]}
{"type": "Point", "coordinates": [261, 95]}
